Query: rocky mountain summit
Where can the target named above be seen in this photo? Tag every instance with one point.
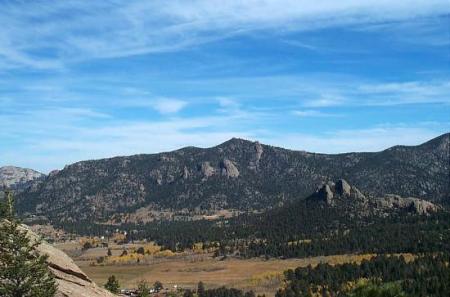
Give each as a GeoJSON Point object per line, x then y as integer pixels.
{"type": "Point", "coordinates": [237, 174]}
{"type": "Point", "coordinates": [342, 194]}
{"type": "Point", "coordinates": [17, 178]}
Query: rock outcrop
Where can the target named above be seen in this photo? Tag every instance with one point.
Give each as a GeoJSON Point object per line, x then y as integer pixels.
{"type": "Point", "coordinates": [228, 169]}
{"type": "Point", "coordinates": [17, 178]}
{"type": "Point", "coordinates": [71, 280]}
{"type": "Point", "coordinates": [342, 194]}
{"type": "Point", "coordinates": [325, 193]}
{"type": "Point", "coordinates": [206, 169]}
{"type": "Point", "coordinates": [254, 163]}
{"type": "Point", "coordinates": [416, 205]}
{"type": "Point", "coordinates": [343, 188]}
{"type": "Point", "coordinates": [238, 174]}
{"type": "Point", "coordinates": [333, 192]}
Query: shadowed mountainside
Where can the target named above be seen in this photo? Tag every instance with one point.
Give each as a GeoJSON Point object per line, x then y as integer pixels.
{"type": "Point", "coordinates": [237, 174]}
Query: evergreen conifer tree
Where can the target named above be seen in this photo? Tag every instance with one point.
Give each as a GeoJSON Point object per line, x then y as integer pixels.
{"type": "Point", "coordinates": [112, 284]}
{"type": "Point", "coordinates": [23, 272]}
{"type": "Point", "coordinates": [143, 289]}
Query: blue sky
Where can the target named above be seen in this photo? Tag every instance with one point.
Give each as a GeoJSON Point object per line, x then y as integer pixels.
{"type": "Point", "coordinates": [93, 79]}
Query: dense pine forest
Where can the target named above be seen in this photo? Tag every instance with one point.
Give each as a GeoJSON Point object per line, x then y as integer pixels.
{"type": "Point", "coordinates": [300, 230]}
{"type": "Point", "coordinates": [427, 275]}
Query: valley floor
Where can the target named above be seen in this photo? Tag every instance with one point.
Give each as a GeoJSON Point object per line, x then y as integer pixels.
{"type": "Point", "coordinates": [261, 276]}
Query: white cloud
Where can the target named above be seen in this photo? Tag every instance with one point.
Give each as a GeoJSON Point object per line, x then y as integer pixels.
{"type": "Point", "coordinates": [80, 112]}
{"type": "Point", "coordinates": [53, 137]}
{"type": "Point", "coordinates": [168, 106]}
{"type": "Point", "coordinates": [49, 154]}
{"type": "Point", "coordinates": [312, 113]}
{"type": "Point", "coordinates": [405, 92]}
{"type": "Point", "coordinates": [371, 139]}
{"type": "Point", "coordinates": [100, 29]}
{"type": "Point", "coordinates": [326, 100]}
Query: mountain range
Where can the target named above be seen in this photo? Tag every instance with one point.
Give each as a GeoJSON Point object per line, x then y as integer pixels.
{"type": "Point", "coordinates": [237, 174]}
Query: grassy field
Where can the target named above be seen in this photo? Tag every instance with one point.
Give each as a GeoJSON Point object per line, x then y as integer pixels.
{"type": "Point", "coordinates": [186, 269]}
{"type": "Point", "coordinates": [262, 276]}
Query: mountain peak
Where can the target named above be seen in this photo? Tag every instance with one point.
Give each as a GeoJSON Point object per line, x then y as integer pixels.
{"type": "Point", "coordinates": [439, 142]}
{"type": "Point", "coordinates": [18, 178]}
{"type": "Point", "coordinates": [236, 142]}
{"type": "Point", "coordinates": [237, 174]}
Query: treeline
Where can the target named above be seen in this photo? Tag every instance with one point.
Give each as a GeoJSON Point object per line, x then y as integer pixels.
{"type": "Point", "coordinates": [405, 234]}
{"type": "Point", "coordinates": [427, 275]}
{"type": "Point", "coordinates": [300, 230]}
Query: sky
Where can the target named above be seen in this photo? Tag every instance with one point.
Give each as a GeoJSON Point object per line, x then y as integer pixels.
{"type": "Point", "coordinates": [94, 79]}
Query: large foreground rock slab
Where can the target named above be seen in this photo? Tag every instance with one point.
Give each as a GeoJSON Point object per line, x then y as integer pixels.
{"type": "Point", "coordinates": [71, 280]}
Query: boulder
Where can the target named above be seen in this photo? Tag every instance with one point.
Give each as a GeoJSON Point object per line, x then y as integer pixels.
{"type": "Point", "coordinates": [71, 280]}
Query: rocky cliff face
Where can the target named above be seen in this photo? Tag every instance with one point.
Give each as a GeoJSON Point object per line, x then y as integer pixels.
{"type": "Point", "coordinates": [333, 193]}
{"type": "Point", "coordinates": [17, 178]}
{"type": "Point", "coordinates": [341, 194]}
{"type": "Point", "coordinates": [237, 174]}
{"type": "Point", "coordinates": [72, 282]}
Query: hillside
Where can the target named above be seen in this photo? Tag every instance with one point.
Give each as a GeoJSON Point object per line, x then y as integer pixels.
{"type": "Point", "coordinates": [237, 174]}
{"type": "Point", "coordinates": [17, 178]}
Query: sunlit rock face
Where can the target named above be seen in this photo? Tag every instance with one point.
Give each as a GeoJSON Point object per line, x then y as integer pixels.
{"type": "Point", "coordinates": [17, 178]}
{"type": "Point", "coordinates": [71, 280]}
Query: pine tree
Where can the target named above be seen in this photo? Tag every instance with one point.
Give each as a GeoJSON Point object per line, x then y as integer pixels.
{"type": "Point", "coordinates": [373, 290]}
{"type": "Point", "coordinates": [158, 286]}
{"type": "Point", "coordinates": [143, 290]}
{"type": "Point", "coordinates": [112, 284]}
{"type": "Point", "coordinates": [188, 293]}
{"type": "Point", "coordinates": [23, 272]}
{"type": "Point", "coordinates": [201, 289]}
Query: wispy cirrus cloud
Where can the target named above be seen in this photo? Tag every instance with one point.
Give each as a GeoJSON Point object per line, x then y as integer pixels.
{"type": "Point", "coordinates": [409, 92]}
{"type": "Point", "coordinates": [54, 137]}
{"type": "Point", "coordinates": [92, 79]}
{"type": "Point", "coordinates": [168, 105]}
{"type": "Point", "coordinates": [370, 139]}
{"type": "Point", "coordinates": [43, 34]}
{"type": "Point", "coordinates": [307, 113]}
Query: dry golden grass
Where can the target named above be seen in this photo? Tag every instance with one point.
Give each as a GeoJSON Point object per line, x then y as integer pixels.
{"type": "Point", "coordinates": [186, 269]}
{"type": "Point", "coordinates": [255, 274]}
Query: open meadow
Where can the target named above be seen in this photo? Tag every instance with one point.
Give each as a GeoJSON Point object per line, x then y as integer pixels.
{"type": "Point", "coordinates": [186, 269]}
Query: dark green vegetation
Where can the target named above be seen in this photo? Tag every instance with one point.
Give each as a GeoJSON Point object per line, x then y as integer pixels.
{"type": "Point", "coordinates": [237, 174]}
{"type": "Point", "coordinates": [226, 292]}
{"type": "Point", "coordinates": [372, 289]}
{"type": "Point", "coordinates": [301, 229]}
{"type": "Point", "coordinates": [112, 284]}
{"type": "Point", "coordinates": [248, 176]}
{"type": "Point", "coordinates": [23, 272]}
{"type": "Point", "coordinates": [143, 289]}
{"type": "Point", "coordinates": [425, 276]}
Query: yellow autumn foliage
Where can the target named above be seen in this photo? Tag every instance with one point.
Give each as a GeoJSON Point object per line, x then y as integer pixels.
{"type": "Point", "coordinates": [165, 253]}
{"type": "Point", "coordinates": [307, 241]}
{"type": "Point", "coordinates": [266, 278]}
